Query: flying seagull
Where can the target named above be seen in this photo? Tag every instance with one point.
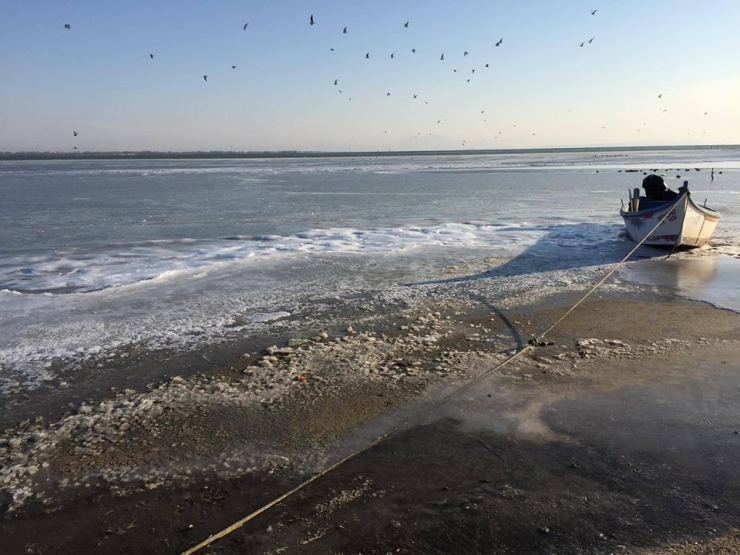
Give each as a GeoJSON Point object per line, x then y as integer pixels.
{"type": "Point", "coordinates": [413, 50]}
{"type": "Point", "coordinates": [67, 26]}
{"type": "Point", "coordinates": [499, 42]}
{"type": "Point", "coordinates": [367, 55]}
{"type": "Point", "coordinates": [591, 40]}
{"type": "Point", "coordinates": [233, 67]}
{"type": "Point", "coordinates": [406, 24]}
{"type": "Point", "coordinates": [311, 20]}
{"type": "Point", "coordinates": [465, 53]}
{"type": "Point", "coordinates": [205, 77]}
{"type": "Point", "coordinates": [75, 133]}
{"type": "Point", "coordinates": [660, 95]}
{"type": "Point", "coordinates": [335, 81]}
{"type": "Point", "coordinates": [245, 26]}
{"type": "Point", "coordinates": [344, 30]}
{"type": "Point", "coordinates": [151, 56]}
{"type": "Point", "coordinates": [442, 57]}
{"type": "Point", "coordinates": [581, 45]}
{"type": "Point", "coordinates": [594, 12]}
{"type": "Point", "coordinates": [391, 55]}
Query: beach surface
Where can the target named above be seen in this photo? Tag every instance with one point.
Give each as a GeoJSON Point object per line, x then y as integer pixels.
{"type": "Point", "coordinates": [617, 433]}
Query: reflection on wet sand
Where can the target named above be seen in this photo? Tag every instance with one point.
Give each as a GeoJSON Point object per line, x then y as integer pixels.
{"type": "Point", "coordinates": [709, 279]}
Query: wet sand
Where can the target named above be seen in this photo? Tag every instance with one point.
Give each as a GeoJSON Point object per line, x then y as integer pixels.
{"type": "Point", "coordinates": [621, 436]}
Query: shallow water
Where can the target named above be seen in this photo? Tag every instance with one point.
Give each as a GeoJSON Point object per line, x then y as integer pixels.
{"type": "Point", "coordinates": [100, 256]}
{"type": "Point", "coordinates": [709, 279]}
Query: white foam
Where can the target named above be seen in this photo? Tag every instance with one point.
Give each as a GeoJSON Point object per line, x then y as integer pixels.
{"type": "Point", "coordinates": [121, 265]}
{"type": "Point", "coordinates": [269, 317]}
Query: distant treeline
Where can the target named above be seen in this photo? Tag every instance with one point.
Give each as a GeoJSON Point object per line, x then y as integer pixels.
{"type": "Point", "coordinates": [214, 154]}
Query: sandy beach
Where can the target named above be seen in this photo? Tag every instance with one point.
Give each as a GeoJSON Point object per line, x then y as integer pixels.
{"type": "Point", "coordinates": [619, 434]}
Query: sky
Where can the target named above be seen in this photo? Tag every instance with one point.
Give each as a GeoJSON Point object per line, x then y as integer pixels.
{"type": "Point", "coordinates": [515, 74]}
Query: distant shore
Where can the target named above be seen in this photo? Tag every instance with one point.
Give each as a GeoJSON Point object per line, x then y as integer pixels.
{"type": "Point", "coordinates": [262, 154]}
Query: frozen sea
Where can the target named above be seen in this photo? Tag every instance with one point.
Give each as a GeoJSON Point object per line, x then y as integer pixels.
{"type": "Point", "coordinates": [100, 257]}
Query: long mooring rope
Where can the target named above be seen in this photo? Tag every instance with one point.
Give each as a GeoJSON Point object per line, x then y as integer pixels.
{"type": "Point", "coordinates": [242, 521]}
{"type": "Point", "coordinates": [619, 265]}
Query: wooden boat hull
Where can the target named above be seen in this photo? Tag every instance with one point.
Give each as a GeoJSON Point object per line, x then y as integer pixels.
{"type": "Point", "coordinates": [687, 223]}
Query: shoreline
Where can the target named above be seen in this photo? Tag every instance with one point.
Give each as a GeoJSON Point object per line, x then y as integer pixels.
{"type": "Point", "coordinates": [205, 155]}
{"type": "Point", "coordinates": [263, 422]}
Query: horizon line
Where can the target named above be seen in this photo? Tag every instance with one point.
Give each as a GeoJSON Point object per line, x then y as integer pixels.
{"type": "Point", "coordinates": [51, 154]}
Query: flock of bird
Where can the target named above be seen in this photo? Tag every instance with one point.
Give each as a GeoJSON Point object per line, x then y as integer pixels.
{"type": "Point", "coordinates": [415, 96]}
{"type": "Point", "coordinates": [312, 21]}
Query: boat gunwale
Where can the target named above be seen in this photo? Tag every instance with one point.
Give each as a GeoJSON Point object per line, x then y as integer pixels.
{"type": "Point", "coordinates": [709, 213]}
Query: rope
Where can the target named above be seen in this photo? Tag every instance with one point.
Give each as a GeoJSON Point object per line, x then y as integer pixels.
{"type": "Point", "coordinates": [608, 274]}
{"type": "Point", "coordinates": [373, 443]}
{"type": "Point", "coordinates": [241, 522]}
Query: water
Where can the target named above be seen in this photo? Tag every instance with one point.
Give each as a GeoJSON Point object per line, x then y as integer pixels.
{"type": "Point", "coordinates": [99, 256]}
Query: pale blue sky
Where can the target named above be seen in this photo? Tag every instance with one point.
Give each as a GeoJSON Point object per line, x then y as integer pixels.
{"type": "Point", "coordinates": [540, 89]}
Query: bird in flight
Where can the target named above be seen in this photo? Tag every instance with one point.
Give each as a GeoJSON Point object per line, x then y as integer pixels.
{"type": "Point", "coordinates": [74, 133]}
{"type": "Point", "coordinates": [465, 53]}
{"type": "Point", "coordinates": [660, 95]}
{"type": "Point", "coordinates": [442, 57]}
{"type": "Point", "coordinates": [205, 77]}
{"type": "Point", "coordinates": [233, 67]}
{"type": "Point", "coordinates": [387, 94]}
{"type": "Point", "coordinates": [486, 65]}
{"type": "Point", "coordinates": [67, 26]}
{"type": "Point", "coordinates": [591, 40]}
{"type": "Point", "coordinates": [594, 12]}
{"type": "Point", "coordinates": [245, 26]}
{"type": "Point", "coordinates": [413, 50]}
{"type": "Point", "coordinates": [391, 55]}
{"type": "Point", "coordinates": [367, 55]}
{"type": "Point", "coordinates": [499, 42]}
{"type": "Point", "coordinates": [581, 45]}
{"type": "Point", "coordinates": [414, 96]}
{"type": "Point", "coordinates": [406, 24]}
{"type": "Point", "coordinates": [335, 81]}
{"type": "Point", "coordinates": [151, 56]}
{"type": "Point", "coordinates": [344, 30]}
{"type": "Point", "coordinates": [311, 21]}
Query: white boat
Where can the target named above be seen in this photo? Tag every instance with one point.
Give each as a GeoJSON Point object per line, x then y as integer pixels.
{"type": "Point", "coordinates": [683, 223]}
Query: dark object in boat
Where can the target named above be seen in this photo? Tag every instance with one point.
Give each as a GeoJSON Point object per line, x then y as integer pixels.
{"type": "Point", "coordinates": [656, 189]}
